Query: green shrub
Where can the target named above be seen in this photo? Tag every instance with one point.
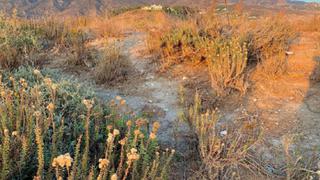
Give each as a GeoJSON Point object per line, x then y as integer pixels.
{"type": "Point", "coordinates": [51, 128]}
{"type": "Point", "coordinates": [19, 44]}
{"type": "Point", "coordinates": [227, 63]}
{"type": "Point", "coordinates": [112, 66]}
{"type": "Point", "coordinates": [182, 12]}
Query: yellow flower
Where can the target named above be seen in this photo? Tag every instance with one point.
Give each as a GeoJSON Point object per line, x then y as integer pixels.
{"type": "Point", "coordinates": [141, 136]}
{"type": "Point", "coordinates": [133, 155]}
{"type": "Point", "coordinates": [36, 72]}
{"type": "Point", "coordinates": [122, 102]}
{"type": "Point", "coordinates": [47, 81]}
{"type": "Point", "coordinates": [116, 132]}
{"type": "Point", "coordinates": [152, 136]}
{"type": "Point", "coordinates": [119, 98]}
{"type": "Point", "coordinates": [88, 103]}
{"type": "Point", "coordinates": [156, 126]}
{"type": "Point", "coordinates": [11, 79]}
{"type": "Point", "coordinates": [123, 141]}
{"type": "Point", "coordinates": [103, 163]}
{"type": "Point", "coordinates": [62, 161]}
{"type": "Point", "coordinates": [110, 138]}
{"type": "Point", "coordinates": [6, 132]}
{"type": "Point", "coordinates": [37, 114]}
{"type": "Point", "coordinates": [109, 127]}
{"type": "Point", "coordinates": [51, 107]}
{"type": "Point", "coordinates": [141, 122]}
{"type": "Point", "coordinates": [54, 86]}
{"type": "Point", "coordinates": [15, 133]}
{"type": "Point", "coordinates": [136, 132]}
{"type": "Point", "coordinates": [129, 123]}
{"type": "Point", "coordinates": [114, 177]}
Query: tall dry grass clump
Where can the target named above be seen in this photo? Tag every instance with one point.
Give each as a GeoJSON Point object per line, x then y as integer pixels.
{"type": "Point", "coordinates": [56, 130]}
{"type": "Point", "coordinates": [232, 47]}
{"type": "Point", "coordinates": [112, 66]}
{"type": "Point", "coordinates": [224, 153]}
{"type": "Point", "coordinates": [227, 65]}
{"type": "Point", "coordinates": [19, 42]}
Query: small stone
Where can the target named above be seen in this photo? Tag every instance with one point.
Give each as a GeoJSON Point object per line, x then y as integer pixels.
{"type": "Point", "coordinates": [184, 78]}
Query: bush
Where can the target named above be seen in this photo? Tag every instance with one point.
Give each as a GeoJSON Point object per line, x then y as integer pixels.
{"type": "Point", "coordinates": [227, 62]}
{"type": "Point", "coordinates": [224, 153]}
{"type": "Point", "coordinates": [112, 66]}
{"type": "Point", "coordinates": [181, 45]}
{"type": "Point", "coordinates": [78, 53]}
{"type": "Point", "coordinates": [182, 12]}
{"type": "Point", "coordinates": [19, 43]}
{"type": "Point", "coordinates": [57, 129]}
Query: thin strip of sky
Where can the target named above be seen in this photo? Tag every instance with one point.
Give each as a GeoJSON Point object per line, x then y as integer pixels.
{"type": "Point", "coordinates": [317, 1]}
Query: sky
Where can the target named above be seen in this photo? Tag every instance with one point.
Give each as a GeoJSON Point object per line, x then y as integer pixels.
{"type": "Point", "coordinates": [312, 1]}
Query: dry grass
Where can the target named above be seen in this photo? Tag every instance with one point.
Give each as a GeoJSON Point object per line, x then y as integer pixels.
{"type": "Point", "coordinates": [227, 66]}
{"type": "Point", "coordinates": [224, 152]}
{"type": "Point", "coordinates": [263, 44]}
{"type": "Point", "coordinates": [112, 66]}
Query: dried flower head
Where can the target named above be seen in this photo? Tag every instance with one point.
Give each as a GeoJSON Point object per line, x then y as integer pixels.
{"type": "Point", "coordinates": [6, 132]}
{"type": "Point", "coordinates": [47, 81]}
{"type": "Point", "coordinates": [152, 136]}
{"type": "Point", "coordinates": [14, 133]}
{"type": "Point", "coordinates": [36, 72]}
{"type": "Point", "coordinates": [141, 136]}
{"type": "Point", "coordinates": [140, 122]}
{"type": "Point", "coordinates": [109, 127]}
{"type": "Point", "coordinates": [116, 132]}
{"type": "Point", "coordinates": [119, 98]}
{"type": "Point", "coordinates": [62, 161]}
{"type": "Point", "coordinates": [123, 141]}
{"type": "Point", "coordinates": [11, 79]}
{"type": "Point", "coordinates": [51, 107]}
{"type": "Point", "coordinates": [23, 82]}
{"type": "Point", "coordinates": [110, 138]}
{"type": "Point", "coordinates": [114, 177]}
{"type": "Point", "coordinates": [133, 155]}
{"type": "Point", "coordinates": [37, 114]}
{"type": "Point", "coordinates": [54, 86]}
{"type": "Point", "coordinates": [122, 102]}
{"type": "Point", "coordinates": [136, 132]}
{"type": "Point", "coordinates": [88, 103]}
{"type": "Point", "coordinates": [129, 123]}
{"type": "Point", "coordinates": [156, 126]}
{"type": "Point", "coordinates": [103, 163]}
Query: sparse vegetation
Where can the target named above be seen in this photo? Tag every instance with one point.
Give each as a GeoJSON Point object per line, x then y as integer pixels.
{"type": "Point", "coordinates": [112, 66]}
{"type": "Point", "coordinates": [209, 39]}
{"type": "Point", "coordinates": [224, 153]}
{"type": "Point", "coordinates": [239, 58]}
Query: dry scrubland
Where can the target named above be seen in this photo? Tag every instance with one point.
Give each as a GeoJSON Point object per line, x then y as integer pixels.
{"type": "Point", "coordinates": [53, 128]}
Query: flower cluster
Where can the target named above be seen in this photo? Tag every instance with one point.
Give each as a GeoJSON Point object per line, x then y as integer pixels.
{"type": "Point", "coordinates": [133, 155]}
{"type": "Point", "coordinates": [88, 103]}
{"type": "Point", "coordinates": [62, 161]}
{"type": "Point", "coordinates": [103, 163]}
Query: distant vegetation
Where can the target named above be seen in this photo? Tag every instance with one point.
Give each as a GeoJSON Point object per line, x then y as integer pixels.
{"type": "Point", "coordinates": [230, 47]}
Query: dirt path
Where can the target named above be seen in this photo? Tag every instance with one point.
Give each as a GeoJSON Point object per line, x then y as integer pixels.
{"type": "Point", "coordinates": [145, 91]}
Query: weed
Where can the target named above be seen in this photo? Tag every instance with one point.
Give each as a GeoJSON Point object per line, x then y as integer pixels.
{"type": "Point", "coordinates": [112, 66]}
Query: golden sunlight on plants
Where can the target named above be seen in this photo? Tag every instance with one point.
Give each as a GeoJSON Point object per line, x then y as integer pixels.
{"type": "Point", "coordinates": [56, 140]}
{"type": "Point", "coordinates": [168, 89]}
